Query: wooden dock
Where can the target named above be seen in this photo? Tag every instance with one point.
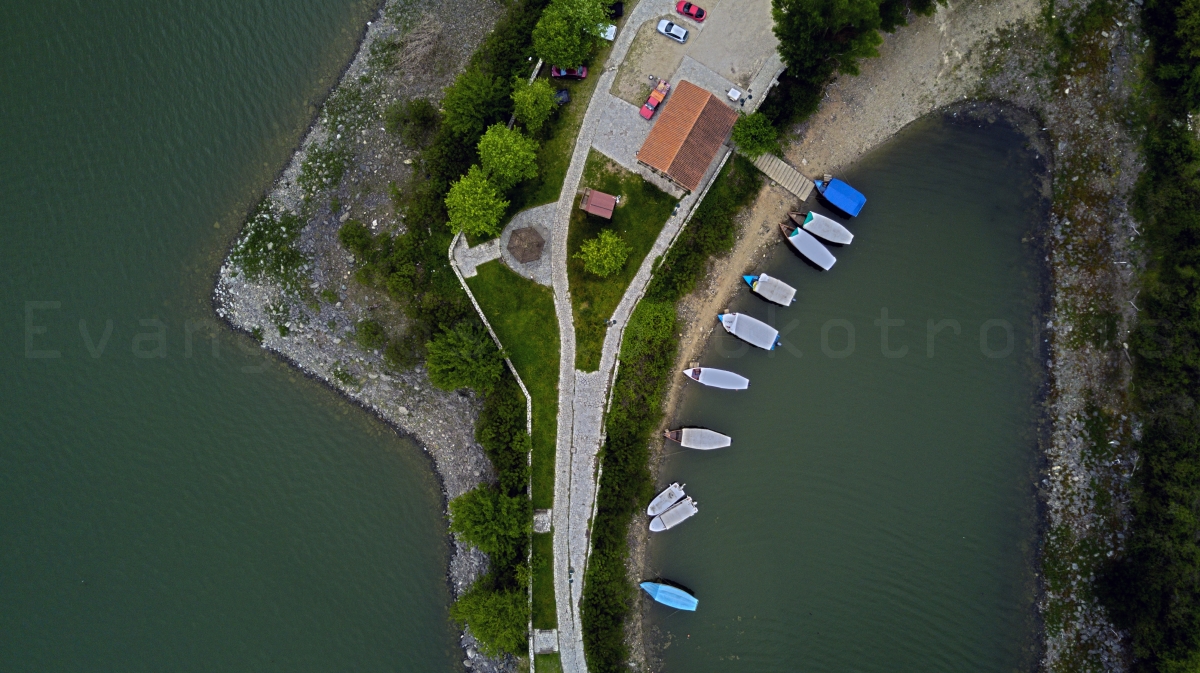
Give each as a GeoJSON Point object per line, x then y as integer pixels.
{"type": "Point", "coordinates": [780, 172]}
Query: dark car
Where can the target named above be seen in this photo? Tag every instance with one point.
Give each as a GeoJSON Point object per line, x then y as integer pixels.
{"type": "Point", "coordinates": [569, 73]}
{"type": "Point", "coordinates": [688, 9]}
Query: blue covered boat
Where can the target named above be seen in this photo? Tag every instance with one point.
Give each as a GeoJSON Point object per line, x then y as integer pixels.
{"type": "Point", "coordinates": [841, 195]}
{"type": "Point", "coordinates": [670, 596]}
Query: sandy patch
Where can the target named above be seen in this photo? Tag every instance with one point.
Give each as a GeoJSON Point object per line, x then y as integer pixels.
{"type": "Point", "coordinates": [737, 39]}
{"type": "Point", "coordinates": [649, 54]}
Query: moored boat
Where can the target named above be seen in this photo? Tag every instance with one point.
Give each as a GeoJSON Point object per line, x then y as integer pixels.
{"type": "Point", "coordinates": [698, 438]}
{"type": "Point", "coordinates": [771, 289]}
{"type": "Point", "coordinates": [840, 195]}
{"type": "Point", "coordinates": [663, 501]}
{"type": "Point", "coordinates": [751, 330]}
{"type": "Point", "coordinates": [717, 378]}
{"type": "Point", "coordinates": [809, 246]}
{"type": "Point", "coordinates": [677, 514]}
{"type": "Point", "coordinates": [823, 227]}
{"type": "Point", "coordinates": [672, 597]}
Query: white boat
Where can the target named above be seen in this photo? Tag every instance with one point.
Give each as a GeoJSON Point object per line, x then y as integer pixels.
{"type": "Point", "coordinates": [678, 513]}
{"type": "Point", "coordinates": [751, 330]}
{"type": "Point", "coordinates": [809, 246]}
{"type": "Point", "coordinates": [771, 289]}
{"type": "Point", "coordinates": [661, 503]}
{"type": "Point", "coordinates": [717, 378]}
{"type": "Point", "coordinates": [698, 438]}
{"type": "Point", "coordinates": [823, 227]}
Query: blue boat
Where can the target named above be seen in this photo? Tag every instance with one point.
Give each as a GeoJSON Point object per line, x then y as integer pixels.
{"type": "Point", "coordinates": [670, 596]}
{"type": "Point", "coordinates": [841, 195]}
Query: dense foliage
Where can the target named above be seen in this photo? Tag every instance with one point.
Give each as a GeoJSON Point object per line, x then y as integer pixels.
{"type": "Point", "coordinates": [754, 135]}
{"type": "Point", "coordinates": [497, 618]}
{"type": "Point", "coordinates": [647, 354]}
{"type": "Point", "coordinates": [464, 356]}
{"type": "Point", "coordinates": [1154, 591]}
{"type": "Point", "coordinates": [568, 31]}
{"type": "Point", "coordinates": [507, 156]}
{"type": "Point", "coordinates": [496, 523]}
{"type": "Point", "coordinates": [604, 255]}
{"type": "Point", "coordinates": [474, 204]}
{"type": "Point", "coordinates": [533, 103]}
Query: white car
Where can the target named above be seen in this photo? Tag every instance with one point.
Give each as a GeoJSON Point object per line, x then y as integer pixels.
{"type": "Point", "coordinates": [677, 33]}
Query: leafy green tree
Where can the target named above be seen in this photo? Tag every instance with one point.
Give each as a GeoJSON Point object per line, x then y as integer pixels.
{"type": "Point", "coordinates": [507, 156]}
{"type": "Point", "coordinates": [370, 334]}
{"type": "Point", "coordinates": [475, 100]}
{"type": "Point", "coordinates": [496, 618]}
{"type": "Point", "coordinates": [603, 255]}
{"type": "Point", "coordinates": [533, 103]}
{"type": "Point", "coordinates": [495, 523]}
{"type": "Point", "coordinates": [754, 135]}
{"type": "Point", "coordinates": [820, 37]}
{"type": "Point", "coordinates": [568, 30]}
{"type": "Point", "coordinates": [474, 204]}
{"type": "Point", "coordinates": [464, 356]}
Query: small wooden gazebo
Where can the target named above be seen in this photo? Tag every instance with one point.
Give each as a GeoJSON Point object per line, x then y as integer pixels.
{"type": "Point", "coordinates": [598, 203]}
{"type": "Point", "coordinates": [526, 245]}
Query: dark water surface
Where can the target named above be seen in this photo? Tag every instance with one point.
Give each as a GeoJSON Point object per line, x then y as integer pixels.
{"type": "Point", "coordinates": [876, 512]}
{"type": "Point", "coordinates": [195, 511]}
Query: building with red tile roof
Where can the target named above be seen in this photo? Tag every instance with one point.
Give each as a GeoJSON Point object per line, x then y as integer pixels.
{"type": "Point", "coordinates": [689, 132]}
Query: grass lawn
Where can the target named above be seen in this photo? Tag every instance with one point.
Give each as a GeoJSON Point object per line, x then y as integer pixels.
{"type": "Point", "coordinates": [638, 219]}
{"type": "Point", "coordinates": [548, 663]}
{"type": "Point", "coordinates": [522, 313]}
{"type": "Point", "coordinates": [544, 614]}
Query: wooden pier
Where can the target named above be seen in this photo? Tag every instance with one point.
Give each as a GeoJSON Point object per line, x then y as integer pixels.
{"type": "Point", "coordinates": [780, 172]}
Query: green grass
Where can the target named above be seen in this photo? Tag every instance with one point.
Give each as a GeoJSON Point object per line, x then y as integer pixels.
{"type": "Point", "coordinates": [638, 219]}
{"type": "Point", "coordinates": [545, 615]}
{"type": "Point", "coordinates": [548, 663]}
{"type": "Point", "coordinates": [522, 313]}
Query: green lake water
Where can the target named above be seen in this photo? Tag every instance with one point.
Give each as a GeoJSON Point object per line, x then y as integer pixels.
{"type": "Point", "coordinates": [176, 509]}
{"type": "Point", "coordinates": [876, 512]}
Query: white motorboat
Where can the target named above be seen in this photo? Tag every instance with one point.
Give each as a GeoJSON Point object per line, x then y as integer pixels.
{"type": "Point", "coordinates": [771, 289]}
{"type": "Point", "coordinates": [698, 438]}
{"type": "Point", "coordinates": [823, 227]}
{"type": "Point", "coordinates": [806, 244]}
{"type": "Point", "coordinates": [717, 378]}
{"type": "Point", "coordinates": [751, 330]}
{"type": "Point", "coordinates": [680, 512]}
{"type": "Point", "coordinates": [663, 501]}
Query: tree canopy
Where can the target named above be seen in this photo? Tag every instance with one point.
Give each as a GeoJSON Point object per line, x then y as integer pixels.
{"type": "Point", "coordinates": [603, 255]}
{"type": "Point", "coordinates": [568, 31]}
{"type": "Point", "coordinates": [494, 522]}
{"type": "Point", "coordinates": [474, 204]}
{"type": "Point", "coordinates": [507, 156]}
{"type": "Point", "coordinates": [496, 618]}
{"type": "Point", "coordinates": [475, 100]}
{"type": "Point", "coordinates": [754, 135]}
{"type": "Point", "coordinates": [533, 103]}
{"type": "Point", "coordinates": [464, 356]}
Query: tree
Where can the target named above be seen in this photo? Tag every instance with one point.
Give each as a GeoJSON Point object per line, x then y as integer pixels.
{"type": "Point", "coordinates": [495, 523]}
{"type": "Point", "coordinates": [415, 120]}
{"type": "Point", "coordinates": [603, 255]}
{"type": "Point", "coordinates": [496, 618]}
{"type": "Point", "coordinates": [507, 156]}
{"type": "Point", "coordinates": [472, 102]}
{"type": "Point", "coordinates": [474, 204]}
{"type": "Point", "coordinates": [820, 37]}
{"type": "Point", "coordinates": [568, 30]}
{"type": "Point", "coordinates": [533, 103]}
{"type": "Point", "coordinates": [464, 356]}
{"type": "Point", "coordinates": [754, 135]}
{"type": "Point", "coordinates": [370, 334]}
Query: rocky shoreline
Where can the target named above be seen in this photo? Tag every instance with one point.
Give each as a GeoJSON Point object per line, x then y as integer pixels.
{"type": "Point", "coordinates": [986, 60]}
{"type": "Point", "coordinates": [405, 52]}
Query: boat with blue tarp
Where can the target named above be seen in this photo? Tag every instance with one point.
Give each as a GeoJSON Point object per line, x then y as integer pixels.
{"type": "Point", "coordinates": [771, 289]}
{"type": "Point", "coordinates": [672, 597]}
{"type": "Point", "coordinates": [841, 195]}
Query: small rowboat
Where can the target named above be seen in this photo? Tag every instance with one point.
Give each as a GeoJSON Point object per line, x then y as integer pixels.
{"type": "Point", "coordinates": [840, 195]}
{"type": "Point", "coordinates": [672, 597]}
{"type": "Point", "coordinates": [698, 438]}
{"type": "Point", "coordinates": [771, 289]}
{"type": "Point", "coordinates": [823, 227]}
{"type": "Point", "coordinates": [806, 245]}
{"type": "Point", "coordinates": [717, 378]}
{"type": "Point", "coordinates": [751, 330]}
{"type": "Point", "coordinates": [677, 514]}
{"type": "Point", "coordinates": [663, 501]}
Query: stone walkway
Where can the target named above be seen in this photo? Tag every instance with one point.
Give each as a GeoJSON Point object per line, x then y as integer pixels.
{"type": "Point", "coordinates": [468, 258]}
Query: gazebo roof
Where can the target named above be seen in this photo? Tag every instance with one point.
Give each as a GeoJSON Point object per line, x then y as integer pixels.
{"type": "Point", "coordinates": [526, 245]}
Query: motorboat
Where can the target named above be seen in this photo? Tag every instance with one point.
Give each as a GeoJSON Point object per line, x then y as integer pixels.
{"type": "Point", "coordinates": [771, 289]}
{"type": "Point", "coordinates": [663, 501]}
{"type": "Point", "coordinates": [677, 514]}
{"type": "Point", "coordinates": [717, 378]}
{"type": "Point", "coordinates": [806, 244]}
{"type": "Point", "coordinates": [672, 597]}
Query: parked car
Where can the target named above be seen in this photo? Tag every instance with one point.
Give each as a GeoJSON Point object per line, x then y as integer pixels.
{"type": "Point", "coordinates": [569, 73]}
{"type": "Point", "coordinates": [656, 97]}
{"type": "Point", "coordinates": [688, 9]}
{"type": "Point", "coordinates": [677, 33]}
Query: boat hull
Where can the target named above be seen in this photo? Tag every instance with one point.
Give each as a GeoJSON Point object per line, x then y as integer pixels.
{"type": "Point", "coordinates": [806, 244]}
{"type": "Point", "coordinates": [701, 439]}
{"type": "Point", "coordinates": [822, 227]}
{"type": "Point", "coordinates": [773, 290]}
{"type": "Point", "coordinates": [841, 196]}
{"type": "Point", "coordinates": [675, 515]}
{"type": "Point", "coordinates": [663, 501]}
{"type": "Point", "coordinates": [751, 330]}
{"type": "Point", "coordinates": [672, 597]}
{"type": "Point", "coordinates": [718, 378]}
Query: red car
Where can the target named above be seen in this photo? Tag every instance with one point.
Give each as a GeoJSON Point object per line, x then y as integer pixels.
{"type": "Point", "coordinates": [656, 97]}
{"type": "Point", "coordinates": [569, 73]}
{"type": "Point", "coordinates": [688, 9]}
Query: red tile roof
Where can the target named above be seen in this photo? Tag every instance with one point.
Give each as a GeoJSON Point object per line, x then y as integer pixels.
{"type": "Point", "coordinates": [691, 128]}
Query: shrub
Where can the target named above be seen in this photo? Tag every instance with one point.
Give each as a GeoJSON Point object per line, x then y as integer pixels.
{"type": "Point", "coordinates": [474, 204]}
{"type": "Point", "coordinates": [507, 156]}
{"type": "Point", "coordinates": [370, 334]}
{"type": "Point", "coordinates": [496, 618]}
{"type": "Point", "coordinates": [267, 249]}
{"type": "Point", "coordinates": [356, 237]}
{"type": "Point", "coordinates": [464, 357]}
{"type": "Point", "coordinates": [603, 255]}
{"type": "Point", "coordinates": [475, 100]}
{"type": "Point", "coordinates": [496, 523]}
{"type": "Point", "coordinates": [533, 103]}
{"type": "Point", "coordinates": [414, 120]}
{"type": "Point", "coordinates": [501, 430]}
{"type": "Point", "coordinates": [754, 135]}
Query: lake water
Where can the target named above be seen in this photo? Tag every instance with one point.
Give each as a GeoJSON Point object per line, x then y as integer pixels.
{"type": "Point", "coordinates": [876, 512]}
{"type": "Point", "coordinates": [176, 509]}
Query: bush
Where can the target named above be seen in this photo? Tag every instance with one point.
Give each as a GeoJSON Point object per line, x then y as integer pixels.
{"type": "Point", "coordinates": [497, 619]}
{"type": "Point", "coordinates": [475, 100]}
{"type": "Point", "coordinates": [414, 120]}
{"type": "Point", "coordinates": [507, 156]}
{"type": "Point", "coordinates": [370, 335]}
{"type": "Point", "coordinates": [501, 431]}
{"type": "Point", "coordinates": [603, 255]}
{"type": "Point", "coordinates": [754, 135]}
{"type": "Point", "coordinates": [568, 31]}
{"type": "Point", "coordinates": [496, 524]}
{"type": "Point", "coordinates": [464, 357]}
{"type": "Point", "coordinates": [533, 103]}
{"type": "Point", "coordinates": [356, 237]}
{"type": "Point", "coordinates": [474, 204]}
{"type": "Point", "coordinates": [267, 248]}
